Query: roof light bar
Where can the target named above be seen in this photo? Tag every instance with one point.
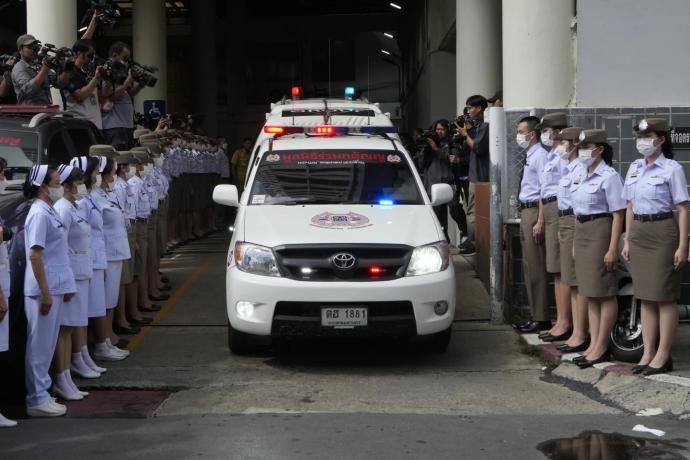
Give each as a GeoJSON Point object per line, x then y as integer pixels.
{"type": "Point", "coordinates": [328, 130]}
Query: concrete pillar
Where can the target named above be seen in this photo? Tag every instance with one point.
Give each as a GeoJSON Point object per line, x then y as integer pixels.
{"type": "Point", "coordinates": [236, 59]}
{"type": "Point", "coordinates": [52, 22]}
{"type": "Point", "coordinates": [478, 49]}
{"type": "Point", "coordinates": [149, 40]}
{"type": "Point", "coordinates": [204, 36]}
{"type": "Point", "coordinates": [538, 59]}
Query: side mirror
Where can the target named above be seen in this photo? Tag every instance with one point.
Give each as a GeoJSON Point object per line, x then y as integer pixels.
{"type": "Point", "coordinates": [226, 195]}
{"type": "Point", "coordinates": [440, 194]}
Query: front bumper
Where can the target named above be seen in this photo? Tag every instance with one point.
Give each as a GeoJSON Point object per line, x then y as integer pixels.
{"type": "Point", "coordinates": [400, 307]}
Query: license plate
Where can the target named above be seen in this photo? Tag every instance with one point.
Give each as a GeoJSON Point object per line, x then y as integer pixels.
{"type": "Point", "coordinates": [344, 317]}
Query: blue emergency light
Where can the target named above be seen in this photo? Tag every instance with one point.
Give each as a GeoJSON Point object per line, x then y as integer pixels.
{"type": "Point", "coordinates": [349, 92]}
{"type": "Point", "coordinates": [386, 202]}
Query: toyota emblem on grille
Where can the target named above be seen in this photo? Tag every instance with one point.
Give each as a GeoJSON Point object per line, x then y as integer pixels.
{"type": "Point", "coordinates": [343, 261]}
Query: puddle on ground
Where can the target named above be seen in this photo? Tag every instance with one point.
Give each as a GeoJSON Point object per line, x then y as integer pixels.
{"type": "Point", "coordinates": [595, 445]}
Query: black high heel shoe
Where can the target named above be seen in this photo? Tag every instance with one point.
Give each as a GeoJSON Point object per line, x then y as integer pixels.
{"type": "Point", "coordinates": [638, 368]}
{"type": "Point", "coordinates": [668, 367]}
{"type": "Point", "coordinates": [587, 363]}
{"type": "Point", "coordinates": [557, 338]}
{"type": "Point", "coordinates": [565, 348]}
{"type": "Point", "coordinates": [578, 359]}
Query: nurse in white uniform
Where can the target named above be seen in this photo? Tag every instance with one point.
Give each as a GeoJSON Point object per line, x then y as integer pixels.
{"type": "Point", "coordinates": [115, 233]}
{"type": "Point", "coordinates": [76, 312]}
{"type": "Point", "coordinates": [48, 284]}
{"type": "Point", "coordinates": [70, 316]}
{"type": "Point", "coordinates": [93, 211]}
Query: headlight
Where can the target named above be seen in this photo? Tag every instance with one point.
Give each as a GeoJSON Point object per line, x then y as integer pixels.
{"type": "Point", "coordinates": [252, 258]}
{"type": "Point", "coordinates": [432, 258]}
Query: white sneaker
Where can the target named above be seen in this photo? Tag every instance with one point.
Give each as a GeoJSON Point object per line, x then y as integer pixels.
{"type": "Point", "coordinates": [84, 372]}
{"type": "Point", "coordinates": [56, 405]}
{"type": "Point", "coordinates": [113, 347]}
{"type": "Point", "coordinates": [66, 394]}
{"type": "Point", "coordinates": [102, 352]}
{"type": "Point", "coordinates": [89, 362]}
{"type": "Point", "coordinates": [47, 409]}
{"type": "Point", "coordinates": [6, 423]}
{"type": "Point", "coordinates": [74, 386]}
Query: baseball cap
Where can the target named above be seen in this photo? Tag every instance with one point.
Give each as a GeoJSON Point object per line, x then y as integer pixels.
{"type": "Point", "coordinates": [25, 40]}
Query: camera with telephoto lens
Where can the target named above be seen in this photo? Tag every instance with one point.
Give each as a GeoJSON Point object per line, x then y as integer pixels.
{"type": "Point", "coordinates": [421, 139]}
{"type": "Point", "coordinates": [7, 62]}
{"type": "Point", "coordinates": [143, 74]}
{"type": "Point", "coordinates": [108, 13]}
{"type": "Point", "coordinates": [56, 58]}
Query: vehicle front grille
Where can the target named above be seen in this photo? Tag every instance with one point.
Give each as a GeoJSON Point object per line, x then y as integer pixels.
{"type": "Point", "coordinates": [373, 262]}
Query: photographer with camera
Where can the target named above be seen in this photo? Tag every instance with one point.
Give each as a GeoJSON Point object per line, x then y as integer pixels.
{"type": "Point", "coordinates": [120, 89]}
{"type": "Point", "coordinates": [435, 162]}
{"type": "Point", "coordinates": [475, 133]}
{"type": "Point", "coordinates": [7, 95]}
{"type": "Point", "coordinates": [81, 92]}
{"type": "Point", "coordinates": [32, 79]}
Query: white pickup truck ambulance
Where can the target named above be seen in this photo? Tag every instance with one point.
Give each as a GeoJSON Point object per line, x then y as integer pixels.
{"type": "Point", "coordinates": [335, 236]}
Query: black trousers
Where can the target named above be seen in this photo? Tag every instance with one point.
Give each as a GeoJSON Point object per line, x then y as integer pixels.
{"type": "Point", "coordinates": [457, 212]}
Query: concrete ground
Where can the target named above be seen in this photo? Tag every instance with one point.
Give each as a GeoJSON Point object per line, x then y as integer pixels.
{"type": "Point", "coordinates": [182, 394]}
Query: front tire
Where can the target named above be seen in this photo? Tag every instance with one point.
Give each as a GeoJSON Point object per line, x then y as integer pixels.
{"type": "Point", "coordinates": [440, 341]}
{"type": "Point", "coordinates": [240, 343]}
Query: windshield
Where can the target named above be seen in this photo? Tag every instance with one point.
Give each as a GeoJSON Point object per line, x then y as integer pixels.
{"type": "Point", "coordinates": [20, 150]}
{"type": "Point", "coordinates": [334, 176]}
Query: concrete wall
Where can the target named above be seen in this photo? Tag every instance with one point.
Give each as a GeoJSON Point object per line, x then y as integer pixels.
{"type": "Point", "coordinates": [633, 53]}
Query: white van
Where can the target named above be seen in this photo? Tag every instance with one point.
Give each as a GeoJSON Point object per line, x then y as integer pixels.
{"type": "Point", "coordinates": [335, 236]}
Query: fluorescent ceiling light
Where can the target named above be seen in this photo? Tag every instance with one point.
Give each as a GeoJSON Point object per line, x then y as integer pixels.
{"type": "Point", "coordinates": [395, 5]}
{"type": "Point", "coordinates": [388, 35]}
{"type": "Point", "coordinates": [385, 52]}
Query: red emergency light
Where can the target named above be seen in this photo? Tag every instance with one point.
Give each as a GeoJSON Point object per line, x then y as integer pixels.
{"type": "Point", "coordinates": [325, 130]}
{"type": "Point", "coordinates": [283, 130]}
{"type": "Point", "coordinates": [375, 270]}
{"type": "Point", "coordinates": [296, 92]}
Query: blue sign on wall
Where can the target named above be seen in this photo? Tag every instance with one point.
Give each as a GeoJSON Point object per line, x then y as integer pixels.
{"type": "Point", "coordinates": [154, 109]}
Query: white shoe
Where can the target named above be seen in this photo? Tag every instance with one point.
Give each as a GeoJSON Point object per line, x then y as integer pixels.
{"type": "Point", "coordinates": [113, 347]}
{"type": "Point", "coordinates": [89, 362]}
{"type": "Point", "coordinates": [56, 405]}
{"type": "Point", "coordinates": [74, 386]}
{"type": "Point", "coordinates": [85, 373]}
{"type": "Point", "coordinates": [47, 409]}
{"type": "Point", "coordinates": [102, 352]}
{"type": "Point", "coordinates": [66, 394]}
{"type": "Point", "coordinates": [6, 423]}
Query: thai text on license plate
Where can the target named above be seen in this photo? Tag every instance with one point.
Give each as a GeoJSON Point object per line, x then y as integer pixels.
{"type": "Point", "coordinates": [344, 317]}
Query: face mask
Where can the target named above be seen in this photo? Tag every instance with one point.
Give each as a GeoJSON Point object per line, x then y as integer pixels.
{"type": "Point", "coordinates": [55, 193]}
{"type": "Point", "coordinates": [585, 156]}
{"type": "Point", "coordinates": [81, 192]}
{"type": "Point", "coordinates": [131, 172]}
{"type": "Point", "coordinates": [522, 141]}
{"type": "Point", "coordinates": [99, 181]}
{"type": "Point", "coordinates": [562, 152]}
{"type": "Point", "coordinates": [3, 185]}
{"type": "Point", "coordinates": [646, 146]}
{"type": "Point", "coordinates": [546, 139]}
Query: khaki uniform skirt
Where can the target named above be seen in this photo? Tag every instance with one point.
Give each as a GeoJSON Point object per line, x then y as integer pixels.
{"type": "Point", "coordinates": [592, 239]}
{"type": "Point", "coordinates": [566, 233]}
{"type": "Point", "coordinates": [141, 259]}
{"type": "Point", "coordinates": [128, 265]}
{"type": "Point", "coordinates": [652, 247]}
{"type": "Point", "coordinates": [553, 250]}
